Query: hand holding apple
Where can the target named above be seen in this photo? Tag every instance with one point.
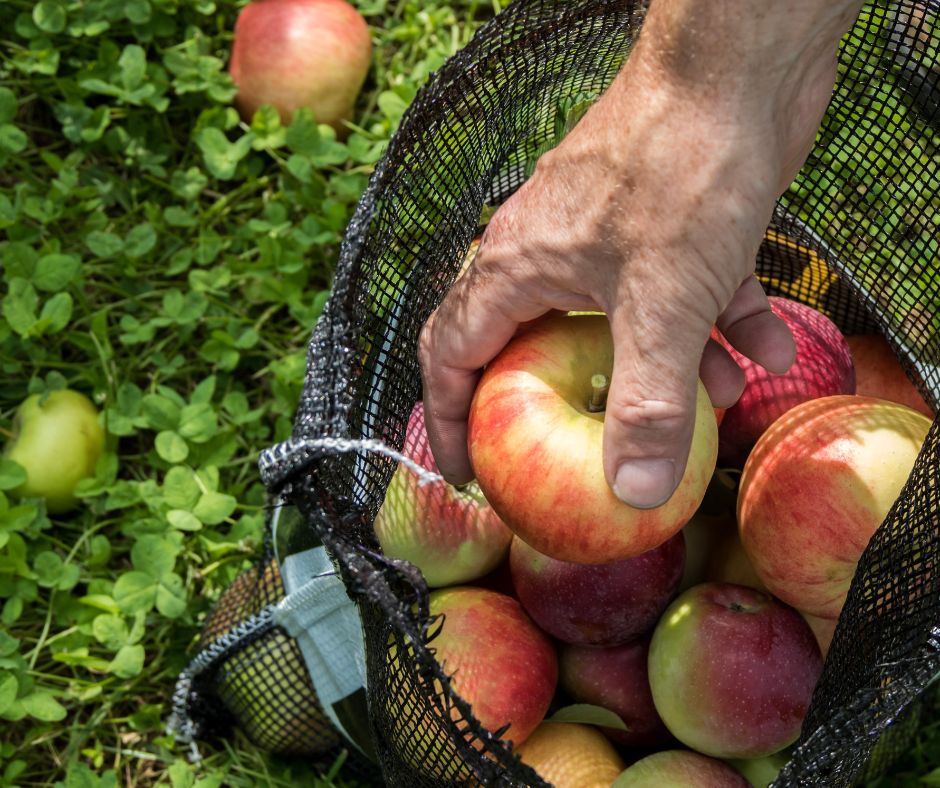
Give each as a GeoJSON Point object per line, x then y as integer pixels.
{"type": "Point", "coordinates": [300, 53]}
{"type": "Point", "coordinates": [535, 437]}
{"type": "Point", "coordinates": [57, 439]}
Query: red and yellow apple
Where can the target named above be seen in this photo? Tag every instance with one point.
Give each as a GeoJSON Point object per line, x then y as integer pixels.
{"type": "Point", "coordinates": [571, 755]}
{"type": "Point", "coordinates": [499, 661]}
{"type": "Point", "coordinates": [732, 671]}
{"type": "Point", "coordinates": [451, 534]}
{"type": "Point", "coordinates": [815, 489]}
{"type": "Point", "coordinates": [597, 604]}
{"type": "Point", "coordinates": [823, 366]}
{"type": "Point", "coordinates": [878, 373]}
{"type": "Point", "coordinates": [536, 447]}
{"type": "Point", "coordinates": [823, 629]}
{"type": "Point", "coordinates": [616, 679]}
{"type": "Point", "coordinates": [680, 768]}
{"type": "Point", "coordinates": [300, 53]}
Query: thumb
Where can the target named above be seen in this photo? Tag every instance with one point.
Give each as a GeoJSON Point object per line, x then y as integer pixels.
{"type": "Point", "coordinates": [651, 405]}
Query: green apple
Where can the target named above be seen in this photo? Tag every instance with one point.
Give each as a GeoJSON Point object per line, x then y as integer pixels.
{"type": "Point", "coordinates": [57, 439]}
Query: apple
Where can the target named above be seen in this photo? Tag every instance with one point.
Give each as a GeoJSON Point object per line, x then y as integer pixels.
{"type": "Point", "coordinates": [878, 373]}
{"type": "Point", "coordinates": [452, 535]}
{"type": "Point", "coordinates": [57, 439]}
{"type": "Point", "coordinates": [677, 768]}
{"type": "Point", "coordinates": [535, 441]}
{"type": "Point", "coordinates": [300, 53]}
{"type": "Point", "coordinates": [815, 489]}
{"type": "Point", "coordinates": [571, 755]}
{"type": "Point", "coordinates": [823, 366]}
{"type": "Point", "coordinates": [615, 678]}
{"type": "Point", "coordinates": [499, 661]}
{"type": "Point", "coordinates": [705, 536]}
{"type": "Point", "coordinates": [732, 671]}
{"type": "Point", "coordinates": [597, 604]}
{"type": "Point", "coordinates": [728, 562]}
{"type": "Point", "coordinates": [761, 772]}
{"type": "Point", "coordinates": [291, 721]}
{"type": "Point", "coordinates": [823, 629]}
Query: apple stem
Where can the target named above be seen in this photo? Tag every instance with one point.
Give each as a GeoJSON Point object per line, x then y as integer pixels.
{"type": "Point", "coordinates": [600, 385]}
{"type": "Point", "coordinates": [7, 434]}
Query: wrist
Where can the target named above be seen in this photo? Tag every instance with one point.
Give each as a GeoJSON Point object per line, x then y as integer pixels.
{"type": "Point", "coordinates": [724, 45]}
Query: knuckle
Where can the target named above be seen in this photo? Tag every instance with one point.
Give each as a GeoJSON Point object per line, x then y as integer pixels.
{"type": "Point", "coordinates": [653, 416]}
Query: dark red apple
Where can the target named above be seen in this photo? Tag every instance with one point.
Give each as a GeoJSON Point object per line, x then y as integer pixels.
{"type": "Point", "coordinates": [823, 366]}
{"type": "Point", "coordinates": [597, 604]}
{"type": "Point", "coordinates": [300, 53]}
{"type": "Point", "coordinates": [615, 678]}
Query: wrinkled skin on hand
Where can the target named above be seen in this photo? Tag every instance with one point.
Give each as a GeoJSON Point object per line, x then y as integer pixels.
{"type": "Point", "coordinates": [651, 210]}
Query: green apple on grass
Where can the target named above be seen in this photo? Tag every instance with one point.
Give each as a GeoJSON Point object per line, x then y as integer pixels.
{"type": "Point", "coordinates": [57, 440]}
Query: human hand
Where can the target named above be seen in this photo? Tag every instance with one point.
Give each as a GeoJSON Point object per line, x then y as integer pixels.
{"type": "Point", "coordinates": [652, 211]}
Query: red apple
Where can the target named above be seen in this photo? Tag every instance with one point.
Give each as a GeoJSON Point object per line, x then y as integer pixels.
{"type": "Point", "coordinates": [535, 445]}
{"type": "Point", "coordinates": [452, 535]}
{"type": "Point", "coordinates": [597, 604]}
{"type": "Point", "coordinates": [616, 679]}
{"type": "Point", "coordinates": [300, 53]}
{"type": "Point", "coordinates": [823, 366]}
{"type": "Point", "coordinates": [499, 661]}
{"type": "Point", "coordinates": [815, 489]}
{"type": "Point", "coordinates": [675, 768]}
{"type": "Point", "coordinates": [571, 755]}
{"type": "Point", "coordinates": [732, 671]}
{"type": "Point", "coordinates": [57, 439]}
{"type": "Point", "coordinates": [878, 373]}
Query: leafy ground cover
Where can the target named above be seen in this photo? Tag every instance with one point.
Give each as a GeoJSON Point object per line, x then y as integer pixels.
{"type": "Point", "coordinates": [168, 260]}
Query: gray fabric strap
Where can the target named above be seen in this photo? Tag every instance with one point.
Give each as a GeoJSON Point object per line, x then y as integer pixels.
{"type": "Point", "coordinates": [320, 616]}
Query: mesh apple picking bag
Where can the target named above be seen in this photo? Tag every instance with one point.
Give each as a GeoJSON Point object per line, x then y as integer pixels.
{"type": "Point", "coordinates": [855, 236]}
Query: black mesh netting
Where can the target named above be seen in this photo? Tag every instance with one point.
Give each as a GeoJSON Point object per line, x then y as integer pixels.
{"type": "Point", "coordinates": [856, 235]}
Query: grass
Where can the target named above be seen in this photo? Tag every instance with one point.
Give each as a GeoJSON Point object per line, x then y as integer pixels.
{"type": "Point", "coordinates": [168, 260]}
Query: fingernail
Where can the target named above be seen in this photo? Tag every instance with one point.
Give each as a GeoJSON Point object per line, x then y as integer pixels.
{"type": "Point", "coordinates": [645, 484]}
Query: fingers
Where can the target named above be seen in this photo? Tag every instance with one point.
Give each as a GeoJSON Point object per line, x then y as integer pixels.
{"type": "Point", "coordinates": [652, 404]}
{"type": "Point", "coordinates": [755, 331]}
{"type": "Point", "coordinates": [722, 377]}
{"type": "Point", "coordinates": [475, 321]}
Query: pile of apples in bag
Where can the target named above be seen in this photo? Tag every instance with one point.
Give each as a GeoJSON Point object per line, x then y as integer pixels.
{"type": "Point", "coordinates": [678, 645]}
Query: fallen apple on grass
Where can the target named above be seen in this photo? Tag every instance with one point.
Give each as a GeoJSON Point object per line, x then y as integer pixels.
{"type": "Point", "coordinates": [452, 535]}
{"type": "Point", "coordinates": [300, 53]}
{"type": "Point", "coordinates": [57, 439]}
{"type": "Point", "coordinates": [615, 678]}
{"type": "Point", "coordinates": [815, 489]}
{"type": "Point", "coordinates": [680, 769]}
{"type": "Point", "coordinates": [597, 604]}
{"type": "Point", "coordinates": [535, 442]}
{"type": "Point", "coordinates": [732, 671]}
{"type": "Point", "coordinates": [823, 366]}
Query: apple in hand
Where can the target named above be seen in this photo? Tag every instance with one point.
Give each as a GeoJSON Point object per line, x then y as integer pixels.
{"type": "Point", "coordinates": [815, 489]}
{"type": "Point", "coordinates": [499, 661]}
{"type": "Point", "coordinates": [597, 604]}
{"type": "Point", "coordinates": [535, 435]}
{"type": "Point", "coordinates": [452, 535]}
{"type": "Point", "coordinates": [878, 373]}
{"type": "Point", "coordinates": [732, 671]}
{"type": "Point", "coordinates": [616, 679]}
{"type": "Point", "coordinates": [300, 53]}
{"type": "Point", "coordinates": [675, 768]}
{"type": "Point", "coordinates": [57, 439]}
{"type": "Point", "coordinates": [823, 366]}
